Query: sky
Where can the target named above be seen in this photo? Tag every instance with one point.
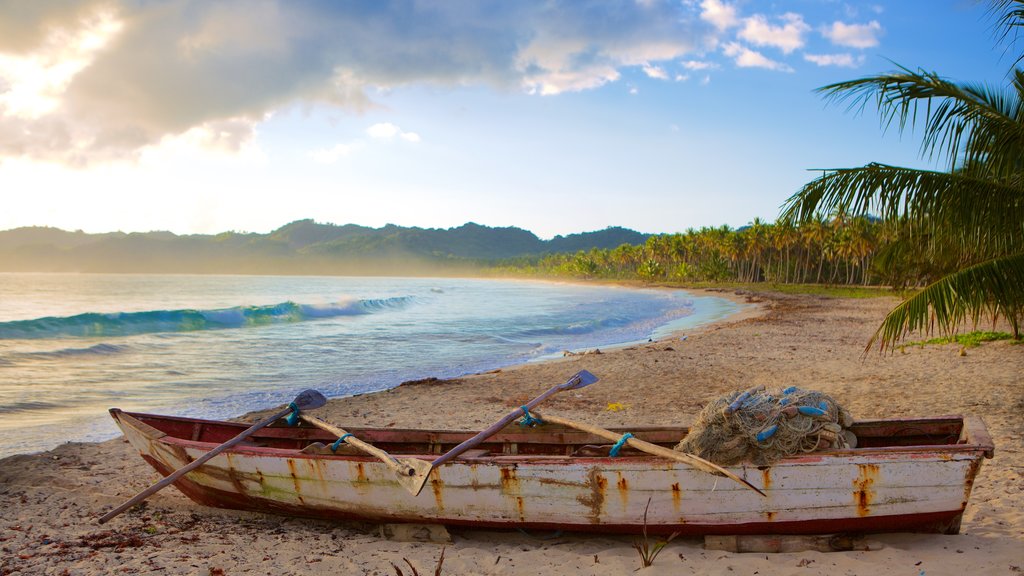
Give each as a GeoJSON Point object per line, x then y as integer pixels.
{"type": "Point", "coordinates": [204, 116]}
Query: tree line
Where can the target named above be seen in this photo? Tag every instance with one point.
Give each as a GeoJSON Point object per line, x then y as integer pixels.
{"type": "Point", "coordinates": [854, 251]}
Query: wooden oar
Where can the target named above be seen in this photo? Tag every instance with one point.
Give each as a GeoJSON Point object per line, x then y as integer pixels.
{"type": "Point", "coordinates": [654, 449]}
{"type": "Point", "coordinates": [407, 469]}
{"type": "Point", "coordinates": [579, 380]}
{"type": "Point", "coordinates": [306, 400]}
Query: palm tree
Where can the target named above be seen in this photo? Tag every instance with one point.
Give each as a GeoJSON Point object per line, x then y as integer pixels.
{"type": "Point", "coordinates": [974, 210]}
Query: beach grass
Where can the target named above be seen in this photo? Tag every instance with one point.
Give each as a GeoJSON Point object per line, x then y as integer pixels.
{"type": "Point", "coordinates": [968, 340]}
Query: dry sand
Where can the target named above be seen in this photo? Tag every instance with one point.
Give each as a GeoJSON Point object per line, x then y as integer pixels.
{"type": "Point", "coordinates": [49, 502]}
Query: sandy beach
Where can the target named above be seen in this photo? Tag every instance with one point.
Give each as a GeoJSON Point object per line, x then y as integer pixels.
{"type": "Point", "coordinates": [50, 501]}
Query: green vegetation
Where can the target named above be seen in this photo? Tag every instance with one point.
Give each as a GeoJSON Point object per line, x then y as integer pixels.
{"type": "Point", "coordinates": [967, 222]}
{"type": "Point", "coordinates": [968, 340]}
{"type": "Point", "coordinates": [841, 251]}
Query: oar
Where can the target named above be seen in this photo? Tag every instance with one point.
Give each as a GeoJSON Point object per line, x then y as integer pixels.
{"type": "Point", "coordinates": [654, 449]}
{"type": "Point", "coordinates": [579, 380]}
{"type": "Point", "coordinates": [307, 400]}
{"type": "Point", "coordinates": [407, 469]}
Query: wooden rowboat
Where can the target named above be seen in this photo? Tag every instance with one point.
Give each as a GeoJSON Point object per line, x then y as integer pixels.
{"type": "Point", "coordinates": [906, 475]}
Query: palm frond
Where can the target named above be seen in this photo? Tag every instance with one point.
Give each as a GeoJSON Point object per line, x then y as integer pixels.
{"type": "Point", "coordinates": [1010, 18]}
{"type": "Point", "coordinates": [984, 215]}
{"type": "Point", "coordinates": [962, 123]}
{"type": "Point", "coordinates": [994, 288]}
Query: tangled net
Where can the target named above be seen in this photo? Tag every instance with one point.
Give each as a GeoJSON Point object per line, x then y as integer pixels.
{"type": "Point", "coordinates": [763, 427]}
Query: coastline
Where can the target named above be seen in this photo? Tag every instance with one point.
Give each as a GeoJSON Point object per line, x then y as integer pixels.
{"type": "Point", "coordinates": [814, 342]}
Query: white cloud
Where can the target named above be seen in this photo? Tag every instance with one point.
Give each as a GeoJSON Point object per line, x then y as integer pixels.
{"type": "Point", "coordinates": [699, 65]}
{"type": "Point", "coordinates": [719, 14]}
{"type": "Point", "coordinates": [387, 131]}
{"type": "Point", "coordinates": [705, 80]}
{"type": "Point", "coordinates": [333, 154]}
{"type": "Point", "coordinates": [844, 60]}
{"type": "Point", "coordinates": [747, 58]}
{"type": "Point", "coordinates": [682, 77]}
{"type": "Point", "coordinates": [655, 72]}
{"type": "Point", "coordinates": [85, 81]}
{"type": "Point", "coordinates": [786, 37]}
{"type": "Point", "coordinates": [853, 35]}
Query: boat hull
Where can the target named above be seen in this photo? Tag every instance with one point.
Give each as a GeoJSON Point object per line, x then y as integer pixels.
{"type": "Point", "coordinates": [896, 488]}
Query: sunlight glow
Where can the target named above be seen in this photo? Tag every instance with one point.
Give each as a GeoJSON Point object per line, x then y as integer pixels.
{"type": "Point", "coordinates": [34, 83]}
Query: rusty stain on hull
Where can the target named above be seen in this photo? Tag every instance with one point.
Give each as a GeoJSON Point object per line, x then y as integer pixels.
{"type": "Point", "coordinates": [595, 500]}
{"type": "Point", "coordinates": [864, 493]}
{"type": "Point", "coordinates": [295, 480]}
{"type": "Point", "coordinates": [623, 486]}
{"type": "Point", "coordinates": [766, 478]}
{"type": "Point", "coordinates": [437, 485]}
{"type": "Point", "coordinates": [509, 481]}
{"type": "Point", "coordinates": [677, 497]}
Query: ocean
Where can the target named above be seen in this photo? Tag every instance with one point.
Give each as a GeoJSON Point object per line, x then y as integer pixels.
{"type": "Point", "coordinates": [74, 345]}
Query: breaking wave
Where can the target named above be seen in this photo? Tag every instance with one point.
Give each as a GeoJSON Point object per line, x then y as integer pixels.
{"type": "Point", "coordinates": [95, 324]}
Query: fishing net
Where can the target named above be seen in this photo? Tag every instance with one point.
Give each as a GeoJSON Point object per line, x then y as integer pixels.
{"type": "Point", "coordinates": [762, 426]}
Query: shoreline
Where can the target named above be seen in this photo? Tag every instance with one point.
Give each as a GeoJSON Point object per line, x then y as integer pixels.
{"type": "Point", "coordinates": [815, 342]}
{"type": "Point", "coordinates": [93, 425]}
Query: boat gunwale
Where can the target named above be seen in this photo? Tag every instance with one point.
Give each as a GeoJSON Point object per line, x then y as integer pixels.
{"type": "Point", "coordinates": [974, 434]}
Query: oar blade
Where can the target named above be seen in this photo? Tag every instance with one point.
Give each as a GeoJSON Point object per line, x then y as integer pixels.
{"type": "Point", "coordinates": [581, 379]}
{"type": "Point", "coordinates": [310, 400]}
{"type": "Point", "coordinates": [420, 472]}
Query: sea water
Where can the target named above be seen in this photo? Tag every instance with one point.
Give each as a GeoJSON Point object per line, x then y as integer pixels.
{"type": "Point", "coordinates": [74, 345]}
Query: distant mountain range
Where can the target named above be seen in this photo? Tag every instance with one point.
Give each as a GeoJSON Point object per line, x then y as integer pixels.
{"type": "Point", "coordinates": [301, 247]}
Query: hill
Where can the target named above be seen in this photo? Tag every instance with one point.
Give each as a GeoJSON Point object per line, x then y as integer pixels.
{"type": "Point", "coordinates": [300, 247]}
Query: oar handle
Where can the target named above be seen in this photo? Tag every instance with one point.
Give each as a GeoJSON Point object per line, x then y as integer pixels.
{"type": "Point", "coordinates": [580, 379]}
{"type": "Point", "coordinates": [653, 449]}
{"type": "Point", "coordinates": [388, 459]}
{"type": "Point", "coordinates": [170, 479]}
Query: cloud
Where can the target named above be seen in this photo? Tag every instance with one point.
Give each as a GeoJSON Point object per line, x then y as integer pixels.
{"type": "Point", "coordinates": [787, 37]}
{"type": "Point", "coordinates": [723, 16]}
{"type": "Point", "coordinates": [94, 80]}
{"type": "Point", "coordinates": [747, 58]}
{"type": "Point", "coordinates": [655, 72]}
{"type": "Point", "coordinates": [699, 65]}
{"type": "Point", "coordinates": [845, 60]}
{"type": "Point", "coordinates": [387, 131]}
{"type": "Point", "coordinates": [853, 35]}
{"type": "Point", "coordinates": [335, 153]}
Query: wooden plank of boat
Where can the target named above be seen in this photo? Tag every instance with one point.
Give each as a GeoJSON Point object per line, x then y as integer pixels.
{"type": "Point", "coordinates": [911, 475]}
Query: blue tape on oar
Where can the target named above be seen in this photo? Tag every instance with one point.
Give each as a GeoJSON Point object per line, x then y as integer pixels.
{"type": "Point", "coordinates": [528, 419]}
{"type": "Point", "coordinates": [337, 443]}
{"type": "Point", "coordinates": [293, 418]}
{"type": "Point", "coordinates": [618, 445]}
{"type": "Point", "coordinates": [767, 433]}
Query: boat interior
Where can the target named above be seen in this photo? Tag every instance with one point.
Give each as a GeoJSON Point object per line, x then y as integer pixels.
{"type": "Point", "coordinates": [543, 440]}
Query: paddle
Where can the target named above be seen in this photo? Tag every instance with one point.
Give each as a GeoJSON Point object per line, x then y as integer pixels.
{"type": "Point", "coordinates": [306, 400]}
{"type": "Point", "coordinates": [405, 468]}
{"type": "Point", "coordinates": [579, 380]}
{"type": "Point", "coordinates": [654, 449]}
